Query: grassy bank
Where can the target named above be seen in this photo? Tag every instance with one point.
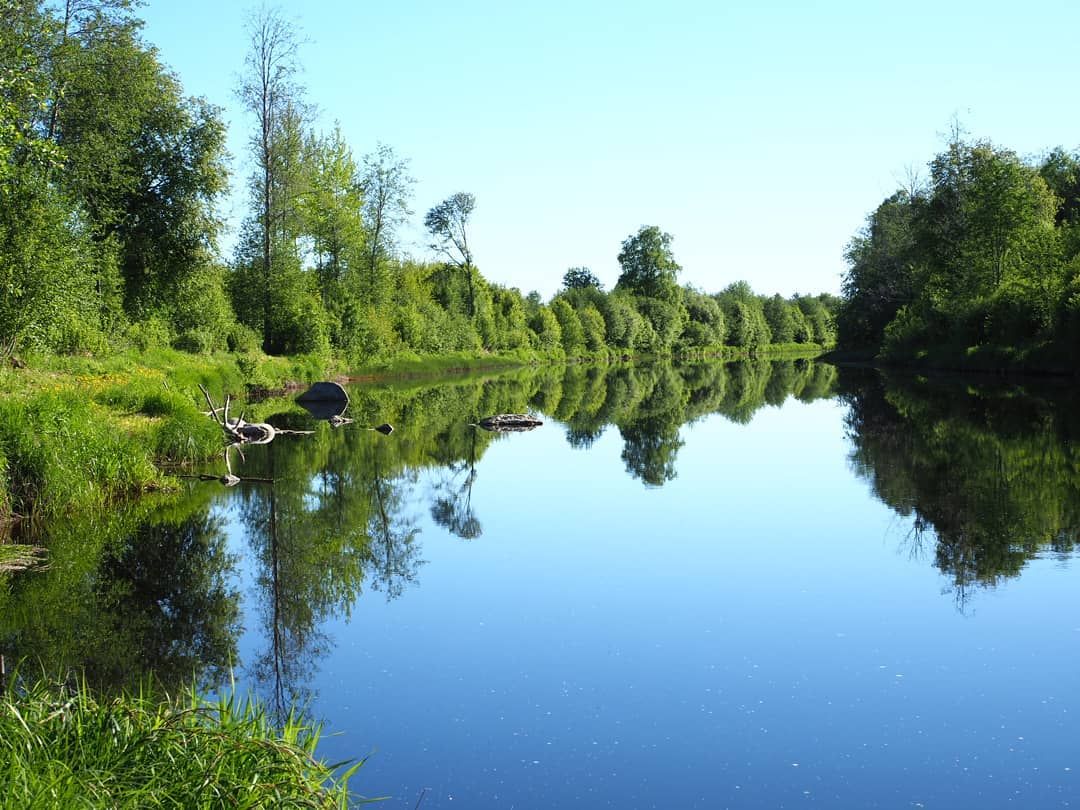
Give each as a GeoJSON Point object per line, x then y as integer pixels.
{"type": "Point", "coordinates": [62, 746]}
{"type": "Point", "coordinates": [81, 432]}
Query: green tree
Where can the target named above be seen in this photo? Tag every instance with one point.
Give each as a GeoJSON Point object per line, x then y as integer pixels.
{"type": "Point", "coordinates": [578, 278]}
{"type": "Point", "coordinates": [332, 210]}
{"type": "Point", "coordinates": [144, 163]}
{"type": "Point", "coordinates": [1061, 172]}
{"type": "Point", "coordinates": [648, 266]}
{"type": "Point", "coordinates": [548, 331]}
{"type": "Point", "coordinates": [269, 92]}
{"type": "Point", "coordinates": [884, 271]}
{"type": "Point", "coordinates": [744, 316]}
{"type": "Point", "coordinates": [779, 317]}
{"type": "Point", "coordinates": [573, 334]}
{"type": "Point", "coordinates": [989, 219]}
{"type": "Point", "coordinates": [448, 223]}
{"type": "Point", "coordinates": [387, 187]}
{"type": "Point", "coordinates": [47, 290]}
{"type": "Point", "coordinates": [705, 320]}
{"type": "Point", "coordinates": [818, 319]}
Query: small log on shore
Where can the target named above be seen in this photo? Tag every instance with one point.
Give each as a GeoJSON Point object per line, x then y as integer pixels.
{"type": "Point", "coordinates": [506, 422]}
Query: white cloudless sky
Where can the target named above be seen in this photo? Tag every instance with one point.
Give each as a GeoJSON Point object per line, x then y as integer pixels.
{"type": "Point", "coordinates": [759, 134]}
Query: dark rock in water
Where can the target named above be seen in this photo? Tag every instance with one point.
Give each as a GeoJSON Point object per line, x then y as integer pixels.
{"type": "Point", "coordinates": [325, 410]}
{"type": "Point", "coordinates": [385, 429]}
{"type": "Point", "coordinates": [505, 422]}
{"type": "Point", "coordinates": [324, 400]}
{"type": "Point", "coordinates": [324, 392]}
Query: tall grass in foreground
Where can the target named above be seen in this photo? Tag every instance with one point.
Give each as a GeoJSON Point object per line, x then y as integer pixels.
{"type": "Point", "coordinates": [61, 747]}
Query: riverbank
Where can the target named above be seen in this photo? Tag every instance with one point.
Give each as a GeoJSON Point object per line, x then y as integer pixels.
{"type": "Point", "coordinates": [79, 432]}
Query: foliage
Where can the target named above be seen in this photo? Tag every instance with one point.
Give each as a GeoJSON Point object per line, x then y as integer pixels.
{"type": "Point", "coordinates": [83, 432]}
{"type": "Point", "coordinates": [578, 278]}
{"type": "Point", "coordinates": [570, 328]}
{"type": "Point", "coordinates": [386, 186]}
{"type": "Point", "coordinates": [648, 266]}
{"type": "Point", "coordinates": [744, 317]}
{"type": "Point", "coordinates": [110, 178]}
{"type": "Point", "coordinates": [978, 257]}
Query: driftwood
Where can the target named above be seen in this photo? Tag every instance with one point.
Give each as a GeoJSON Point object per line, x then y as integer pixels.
{"type": "Point", "coordinates": [507, 422]}
{"type": "Point", "coordinates": [229, 480]}
{"type": "Point", "coordinates": [15, 558]}
{"type": "Point", "coordinates": [239, 432]}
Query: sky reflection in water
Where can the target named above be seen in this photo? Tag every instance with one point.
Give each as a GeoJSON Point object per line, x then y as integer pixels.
{"type": "Point", "coordinates": [759, 631]}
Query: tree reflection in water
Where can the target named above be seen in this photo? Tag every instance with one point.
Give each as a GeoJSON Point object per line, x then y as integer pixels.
{"type": "Point", "coordinates": [128, 595]}
{"type": "Point", "coordinates": [986, 472]}
{"type": "Point", "coordinates": [324, 514]}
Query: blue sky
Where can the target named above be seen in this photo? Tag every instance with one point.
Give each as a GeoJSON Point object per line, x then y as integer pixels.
{"type": "Point", "coordinates": [758, 134]}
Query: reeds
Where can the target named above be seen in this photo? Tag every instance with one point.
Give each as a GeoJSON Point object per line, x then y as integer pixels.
{"type": "Point", "coordinates": [62, 747]}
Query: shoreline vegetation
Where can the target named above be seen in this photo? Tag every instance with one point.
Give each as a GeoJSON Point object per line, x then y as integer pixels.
{"type": "Point", "coordinates": [974, 267]}
{"type": "Point", "coordinates": [63, 745]}
{"type": "Point", "coordinates": [119, 302]}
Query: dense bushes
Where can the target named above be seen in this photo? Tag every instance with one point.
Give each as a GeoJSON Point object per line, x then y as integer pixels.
{"type": "Point", "coordinates": [983, 256]}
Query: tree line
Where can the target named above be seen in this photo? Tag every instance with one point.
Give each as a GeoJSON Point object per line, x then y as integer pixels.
{"type": "Point", "coordinates": [110, 179]}
{"type": "Point", "coordinates": [984, 254]}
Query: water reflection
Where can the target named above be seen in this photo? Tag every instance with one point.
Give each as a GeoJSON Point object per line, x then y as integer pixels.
{"type": "Point", "coordinates": [329, 511]}
{"type": "Point", "coordinates": [987, 472]}
{"type": "Point", "coordinates": [125, 595]}
{"type": "Point", "coordinates": [307, 534]}
{"type": "Point", "coordinates": [393, 559]}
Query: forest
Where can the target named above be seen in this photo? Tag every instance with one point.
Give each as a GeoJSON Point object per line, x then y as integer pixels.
{"type": "Point", "coordinates": [111, 180]}
{"type": "Point", "coordinates": [977, 262]}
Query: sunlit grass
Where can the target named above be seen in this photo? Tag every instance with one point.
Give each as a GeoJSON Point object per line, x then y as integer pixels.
{"type": "Point", "coordinates": [61, 746]}
{"type": "Point", "coordinates": [79, 432]}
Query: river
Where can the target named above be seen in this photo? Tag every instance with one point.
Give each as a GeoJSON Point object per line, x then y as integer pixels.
{"type": "Point", "coordinates": [766, 584]}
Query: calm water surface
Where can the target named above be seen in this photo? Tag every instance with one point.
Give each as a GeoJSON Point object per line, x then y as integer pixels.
{"type": "Point", "coordinates": [756, 586]}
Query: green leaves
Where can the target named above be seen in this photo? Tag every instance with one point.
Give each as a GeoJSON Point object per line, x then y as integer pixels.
{"type": "Point", "coordinates": [648, 265]}
{"type": "Point", "coordinates": [978, 256]}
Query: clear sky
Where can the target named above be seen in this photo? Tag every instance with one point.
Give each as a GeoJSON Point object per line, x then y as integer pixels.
{"type": "Point", "coordinates": [759, 134]}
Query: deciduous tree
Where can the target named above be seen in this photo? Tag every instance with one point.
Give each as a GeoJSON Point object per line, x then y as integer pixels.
{"type": "Point", "coordinates": [648, 266]}
{"type": "Point", "coordinates": [447, 223]}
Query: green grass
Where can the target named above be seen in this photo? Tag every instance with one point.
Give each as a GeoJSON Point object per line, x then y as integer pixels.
{"type": "Point", "coordinates": [80, 432]}
{"type": "Point", "coordinates": [63, 747]}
